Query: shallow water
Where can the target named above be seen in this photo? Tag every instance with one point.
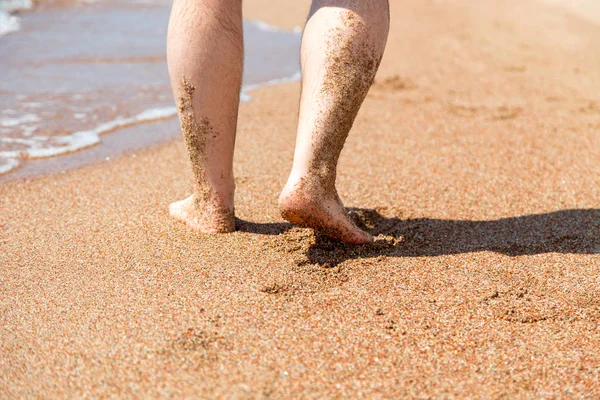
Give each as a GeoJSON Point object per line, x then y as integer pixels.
{"type": "Point", "coordinates": [73, 77]}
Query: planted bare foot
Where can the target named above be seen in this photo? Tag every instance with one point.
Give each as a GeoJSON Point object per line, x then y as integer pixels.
{"type": "Point", "coordinates": [309, 205]}
{"type": "Point", "coordinates": [203, 215]}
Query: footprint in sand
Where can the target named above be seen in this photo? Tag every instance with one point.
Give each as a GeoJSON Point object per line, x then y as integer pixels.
{"type": "Point", "coordinates": [592, 107]}
{"type": "Point", "coordinates": [394, 83]}
{"type": "Point", "coordinates": [503, 112]}
{"type": "Point", "coordinates": [195, 340]}
{"type": "Point", "coordinates": [203, 343]}
{"type": "Point", "coordinates": [515, 68]}
{"type": "Point", "coordinates": [274, 288]}
{"type": "Point", "coordinates": [524, 306]}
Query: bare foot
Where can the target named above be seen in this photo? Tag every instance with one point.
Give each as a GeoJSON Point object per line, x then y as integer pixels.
{"type": "Point", "coordinates": [312, 206]}
{"type": "Point", "coordinates": [203, 216]}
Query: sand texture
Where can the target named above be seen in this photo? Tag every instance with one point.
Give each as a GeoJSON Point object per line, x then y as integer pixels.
{"type": "Point", "coordinates": [475, 160]}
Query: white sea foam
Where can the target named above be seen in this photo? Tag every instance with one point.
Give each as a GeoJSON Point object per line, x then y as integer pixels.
{"type": "Point", "coordinates": [245, 97]}
{"type": "Point", "coordinates": [8, 23]}
{"type": "Point", "coordinates": [15, 5]}
{"type": "Point", "coordinates": [156, 113]}
{"type": "Point", "coordinates": [29, 142]}
{"type": "Point", "coordinates": [270, 28]}
{"type": "Point", "coordinates": [10, 122]}
{"type": "Point", "coordinates": [266, 27]}
{"type": "Point", "coordinates": [11, 23]}
{"type": "Point", "coordinates": [28, 130]}
{"type": "Point", "coordinates": [48, 146]}
{"type": "Point", "coordinates": [8, 164]}
{"type": "Point", "coordinates": [82, 139]}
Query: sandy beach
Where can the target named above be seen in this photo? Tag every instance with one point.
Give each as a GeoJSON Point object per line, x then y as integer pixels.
{"type": "Point", "coordinates": [475, 161]}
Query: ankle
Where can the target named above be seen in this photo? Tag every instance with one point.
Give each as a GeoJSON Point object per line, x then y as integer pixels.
{"type": "Point", "coordinates": [317, 177]}
{"type": "Point", "coordinates": [203, 216]}
{"type": "Point", "coordinates": [312, 183]}
{"type": "Point", "coordinates": [214, 196]}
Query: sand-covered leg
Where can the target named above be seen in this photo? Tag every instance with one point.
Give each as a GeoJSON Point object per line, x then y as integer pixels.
{"type": "Point", "coordinates": [205, 58]}
{"type": "Point", "coordinates": [342, 46]}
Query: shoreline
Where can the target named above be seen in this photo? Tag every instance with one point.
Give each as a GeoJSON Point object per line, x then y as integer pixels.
{"type": "Point", "coordinates": [70, 113]}
{"type": "Point", "coordinates": [126, 139]}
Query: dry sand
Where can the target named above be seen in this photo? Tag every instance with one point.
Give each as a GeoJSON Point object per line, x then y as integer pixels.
{"type": "Point", "coordinates": [476, 155]}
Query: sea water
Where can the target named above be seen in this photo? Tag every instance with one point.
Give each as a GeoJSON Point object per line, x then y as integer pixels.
{"type": "Point", "coordinates": [92, 77]}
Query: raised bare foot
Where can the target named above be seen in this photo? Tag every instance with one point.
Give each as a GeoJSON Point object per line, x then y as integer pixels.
{"type": "Point", "coordinates": [309, 205]}
{"type": "Point", "coordinates": [203, 216]}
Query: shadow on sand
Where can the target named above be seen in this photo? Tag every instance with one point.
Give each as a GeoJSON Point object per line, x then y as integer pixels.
{"type": "Point", "coordinates": [566, 231]}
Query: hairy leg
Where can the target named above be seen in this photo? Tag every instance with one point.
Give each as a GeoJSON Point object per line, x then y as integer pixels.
{"type": "Point", "coordinates": [205, 58]}
{"type": "Point", "coordinates": [342, 46]}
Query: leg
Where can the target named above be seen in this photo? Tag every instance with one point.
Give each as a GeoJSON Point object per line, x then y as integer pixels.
{"type": "Point", "coordinates": [341, 49]}
{"type": "Point", "coordinates": [205, 58]}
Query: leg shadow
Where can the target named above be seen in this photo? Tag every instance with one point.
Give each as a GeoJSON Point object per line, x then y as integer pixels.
{"type": "Point", "coordinates": [574, 231]}
{"type": "Point", "coordinates": [269, 228]}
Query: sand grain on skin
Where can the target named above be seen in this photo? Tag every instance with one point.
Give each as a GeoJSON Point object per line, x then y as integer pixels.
{"type": "Point", "coordinates": [194, 134]}
{"type": "Point", "coordinates": [349, 72]}
{"type": "Point", "coordinates": [204, 209]}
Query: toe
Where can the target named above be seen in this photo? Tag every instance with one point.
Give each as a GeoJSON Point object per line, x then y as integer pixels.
{"type": "Point", "coordinates": [356, 236]}
{"type": "Point", "coordinates": [363, 237]}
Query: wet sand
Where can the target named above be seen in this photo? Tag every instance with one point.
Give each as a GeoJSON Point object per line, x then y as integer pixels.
{"type": "Point", "coordinates": [475, 160]}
